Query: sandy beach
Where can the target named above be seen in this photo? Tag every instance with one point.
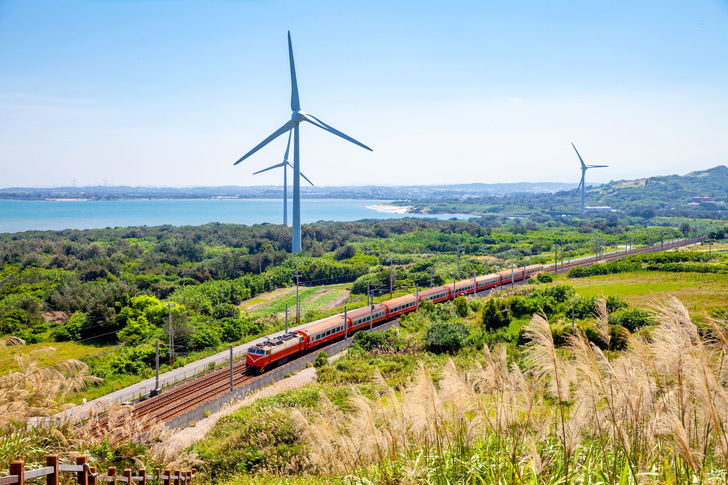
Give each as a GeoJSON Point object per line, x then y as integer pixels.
{"type": "Point", "coordinates": [392, 209]}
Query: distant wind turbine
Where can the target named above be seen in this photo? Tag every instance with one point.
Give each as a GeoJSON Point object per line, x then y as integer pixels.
{"type": "Point", "coordinates": [285, 164]}
{"type": "Point", "coordinates": [296, 118]}
{"type": "Point", "coordinates": [584, 168]}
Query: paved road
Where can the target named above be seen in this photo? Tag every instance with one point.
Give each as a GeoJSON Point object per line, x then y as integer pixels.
{"type": "Point", "coordinates": [167, 379]}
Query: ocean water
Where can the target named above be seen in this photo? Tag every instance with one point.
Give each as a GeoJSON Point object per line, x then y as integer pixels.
{"type": "Point", "coordinates": [20, 215]}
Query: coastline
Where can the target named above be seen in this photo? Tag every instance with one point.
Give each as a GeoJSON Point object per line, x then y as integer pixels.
{"type": "Point", "coordinates": [390, 209]}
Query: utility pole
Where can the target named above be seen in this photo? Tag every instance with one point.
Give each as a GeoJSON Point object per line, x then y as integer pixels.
{"type": "Point", "coordinates": [369, 297]}
{"type": "Point", "coordinates": [231, 367]}
{"type": "Point", "coordinates": [512, 269]}
{"type": "Point", "coordinates": [346, 324]}
{"type": "Point", "coordinates": [391, 279]}
{"type": "Point", "coordinates": [417, 296]}
{"type": "Point", "coordinates": [475, 282]}
{"type": "Point", "coordinates": [171, 334]}
{"type": "Point", "coordinates": [371, 315]}
{"type": "Point", "coordinates": [459, 260]}
{"type": "Point", "coordinates": [298, 301]}
{"type": "Point", "coordinates": [286, 317]}
{"type": "Point", "coordinates": [156, 380]}
{"type": "Point", "coordinates": [662, 240]}
{"type": "Point", "coordinates": [486, 265]}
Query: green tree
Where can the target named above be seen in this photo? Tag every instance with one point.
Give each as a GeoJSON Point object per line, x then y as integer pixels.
{"type": "Point", "coordinates": [446, 337]}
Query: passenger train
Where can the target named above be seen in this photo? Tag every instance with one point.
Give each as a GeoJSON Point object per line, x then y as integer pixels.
{"type": "Point", "coordinates": [322, 332]}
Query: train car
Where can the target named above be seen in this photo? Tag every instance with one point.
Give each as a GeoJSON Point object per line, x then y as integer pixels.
{"type": "Point", "coordinates": [517, 274]}
{"type": "Point", "coordinates": [359, 318]}
{"type": "Point", "coordinates": [322, 331]}
{"type": "Point", "coordinates": [534, 269]}
{"type": "Point", "coordinates": [400, 305]}
{"type": "Point", "coordinates": [461, 287]}
{"type": "Point", "coordinates": [274, 351]}
{"type": "Point", "coordinates": [488, 281]}
{"type": "Point", "coordinates": [435, 295]}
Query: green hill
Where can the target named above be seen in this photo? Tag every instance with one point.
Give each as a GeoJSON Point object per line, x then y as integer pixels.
{"type": "Point", "coordinates": [678, 192]}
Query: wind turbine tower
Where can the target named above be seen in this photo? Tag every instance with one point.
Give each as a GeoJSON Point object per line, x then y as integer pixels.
{"type": "Point", "coordinates": [297, 116]}
{"type": "Point", "coordinates": [285, 164]}
{"type": "Point", "coordinates": [584, 168]}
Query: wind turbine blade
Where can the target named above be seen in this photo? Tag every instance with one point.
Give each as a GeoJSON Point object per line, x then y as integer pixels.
{"type": "Point", "coordinates": [295, 103]}
{"type": "Point", "coordinates": [282, 164]}
{"type": "Point", "coordinates": [597, 166]}
{"type": "Point", "coordinates": [302, 175]}
{"type": "Point", "coordinates": [583, 165]}
{"type": "Point", "coordinates": [290, 124]}
{"type": "Point", "coordinates": [317, 122]}
{"type": "Point", "coordinates": [288, 147]}
{"type": "Point", "coordinates": [577, 189]}
{"type": "Point", "coordinates": [307, 180]}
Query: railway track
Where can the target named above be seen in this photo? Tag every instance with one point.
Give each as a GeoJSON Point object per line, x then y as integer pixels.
{"type": "Point", "coordinates": [200, 390]}
{"type": "Point", "coordinates": [178, 400]}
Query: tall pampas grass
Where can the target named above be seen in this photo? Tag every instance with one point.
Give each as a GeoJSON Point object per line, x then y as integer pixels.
{"type": "Point", "coordinates": [657, 411]}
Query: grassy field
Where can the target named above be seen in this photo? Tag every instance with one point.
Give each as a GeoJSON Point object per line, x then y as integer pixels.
{"type": "Point", "coordinates": [699, 292]}
{"type": "Point", "coordinates": [61, 351]}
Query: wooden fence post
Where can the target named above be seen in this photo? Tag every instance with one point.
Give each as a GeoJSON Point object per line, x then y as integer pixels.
{"type": "Point", "coordinates": [112, 474]}
{"type": "Point", "coordinates": [177, 476]}
{"type": "Point", "coordinates": [82, 476]}
{"type": "Point", "coordinates": [52, 479]}
{"type": "Point", "coordinates": [168, 474]}
{"type": "Point", "coordinates": [143, 473]}
{"type": "Point", "coordinates": [127, 475]}
{"type": "Point", "coordinates": [92, 475]}
{"type": "Point", "coordinates": [17, 468]}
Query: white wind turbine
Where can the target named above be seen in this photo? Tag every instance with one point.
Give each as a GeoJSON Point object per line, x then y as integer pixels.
{"type": "Point", "coordinates": [293, 124]}
{"type": "Point", "coordinates": [285, 164]}
{"type": "Point", "coordinates": [584, 168]}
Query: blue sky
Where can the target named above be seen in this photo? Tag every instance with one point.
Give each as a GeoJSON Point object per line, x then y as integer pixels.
{"type": "Point", "coordinates": [173, 92]}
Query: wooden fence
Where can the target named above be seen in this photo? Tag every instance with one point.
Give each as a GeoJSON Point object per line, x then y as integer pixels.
{"type": "Point", "coordinates": [88, 475]}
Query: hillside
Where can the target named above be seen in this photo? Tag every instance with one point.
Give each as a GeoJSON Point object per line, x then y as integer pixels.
{"type": "Point", "coordinates": [698, 192]}
{"type": "Point", "coordinates": [659, 192]}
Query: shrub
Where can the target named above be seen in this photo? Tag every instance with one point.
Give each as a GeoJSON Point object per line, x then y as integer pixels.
{"type": "Point", "coordinates": [322, 359]}
{"type": "Point", "coordinates": [71, 330]}
{"type": "Point", "coordinates": [632, 319]}
{"type": "Point", "coordinates": [446, 337]}
{"type": "Point", "coordinates": [205, 336]}
{"type": "Point", "coordinates": [494, 316]}
{"type": "Point", "coordinates": [461, 306]}
{"type": "Point", "coordinates": [545, 278]}
{"type": "Point", "coordinates": [380, 340]}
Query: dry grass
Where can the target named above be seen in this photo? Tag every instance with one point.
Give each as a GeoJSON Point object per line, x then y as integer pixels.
{"type": "Point", "coordinates": [657, 412]}
{"type": "Point", "coordinates": [31, 390]}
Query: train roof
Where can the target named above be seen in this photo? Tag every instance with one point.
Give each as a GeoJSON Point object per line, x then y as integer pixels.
{"type": "Point", "coordinates": [433, 291]}
{"type": "Point", "coordinates": [400, 300]}
{"type": "Point", "coordinates": [487, 276]}
{"type": "Point", "coordinates": [276, 341]}
{"type": "Point", "coordinates": [319, 325]}
{"type": "Point", "coordinates": [358, 312]}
